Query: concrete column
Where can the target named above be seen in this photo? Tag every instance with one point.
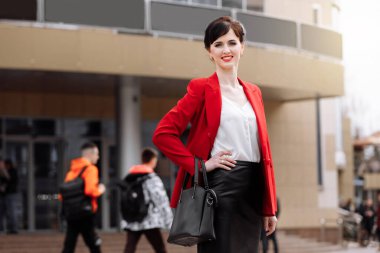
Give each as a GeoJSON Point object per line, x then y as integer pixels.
{"type": "Point", "coordinates": [129, 125]}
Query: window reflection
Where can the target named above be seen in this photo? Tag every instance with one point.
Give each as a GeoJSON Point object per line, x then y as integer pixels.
{"type": "Point", "coordinates": [93, 128]}
{"type": "Point", "coordinates": [232, 3]}
{"type": "Point", "coordinates": [46, 184]}
{"type": "Point", "coordinates": [255, 5]}
{"type": "Point", "coordinates": [1, 148]}
{"type": "Point", "coordinates": [44, 127]}
{"type": "Point", "coordinates": [18, 126]}
{"type": "Point", "coordinates": [83, 128]}
{"type": "Point", "coordinates": [209, 2]}
{"type": "Point", "coordinates": [44, 161]}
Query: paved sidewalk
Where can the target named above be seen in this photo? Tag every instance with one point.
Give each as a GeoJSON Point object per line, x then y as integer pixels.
{"type": "Point", "coordinates": [355, 248]}
{"type": "Point", "coordinates": [113, 242]}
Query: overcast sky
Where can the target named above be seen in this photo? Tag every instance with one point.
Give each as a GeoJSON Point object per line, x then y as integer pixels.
{"type": "Point", "coordinates": [360, 26]}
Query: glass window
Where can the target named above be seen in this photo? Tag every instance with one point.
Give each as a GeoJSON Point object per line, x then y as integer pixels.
{"type": "Point", "coordinates": [46, 185]}
{"type": "Point", "coordinates": [45, 158]}
{"type": "Point", "coordinates": [113, 176]}
{"type": "Point", "coordinates": [232, 3]}
{"type": "Point", "coordinates": [18, 126]}
{"type": "Point", "coordinates": [44, 127]}
{"type": "Point", "coordinates": [209, 2]}
{"type": "Point", "coordinates": [93, 128]}
{"type": "Point", "coordinates": [109, 128]}
{"type": "Point", "coordinates": [20, 10]}
{"type": "Point", "coordinates": [255, 5]}
{"type": "Point", "coordinates": [1, 148]}
{"type": "Point", "coordinates": [83, 128]}
{"type": "Point", "coordinates": [316, 14]}
{"type": "Point", "coordinates": [19, 153]}
{"type": "Point", "coordinates": [335, 13]}
{"type": "Point", "coordinates": [148, 127]}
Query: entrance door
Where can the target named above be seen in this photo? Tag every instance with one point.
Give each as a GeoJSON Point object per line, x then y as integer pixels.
{"type": "Point", "coordinates": [19, 153]}
{"type": "Point", "coordinates": [46, 163]}
{"type": "Point", "coordinates": [39, 166]}
{"type": "Point", "coordinates": [108, 204]}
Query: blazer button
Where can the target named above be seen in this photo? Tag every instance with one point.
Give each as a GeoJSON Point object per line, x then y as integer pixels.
{"type": "Point", "coordinates": [208, 134]}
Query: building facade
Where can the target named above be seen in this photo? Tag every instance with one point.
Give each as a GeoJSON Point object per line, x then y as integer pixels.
{"type": "Point", "coordinates": [107, 71]}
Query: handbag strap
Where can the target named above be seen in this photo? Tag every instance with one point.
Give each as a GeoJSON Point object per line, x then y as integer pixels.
{"type": "Point", "coordinates": [196, 171]}
{"type": "Point", "coordinates": [212, 198]}
{"type": "Point", "coordinates": [187, 175]}
{"type": "Point", "coordinates": [204, 174]}
{"type": "Point", "coordinates": [196, 174]}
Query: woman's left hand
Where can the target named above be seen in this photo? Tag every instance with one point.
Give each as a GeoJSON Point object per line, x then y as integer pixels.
{"type": "Point", "coordinates": [270, 224]}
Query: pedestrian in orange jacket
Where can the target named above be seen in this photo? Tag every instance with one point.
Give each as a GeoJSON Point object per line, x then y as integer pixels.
{"type": "Point", "coordinates": [93, 189]}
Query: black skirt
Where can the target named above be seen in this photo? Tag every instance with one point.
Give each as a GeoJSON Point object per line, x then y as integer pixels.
{"type": "Point", "coordinates": [237, 225]}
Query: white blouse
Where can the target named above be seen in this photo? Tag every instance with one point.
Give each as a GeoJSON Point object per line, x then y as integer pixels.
{"type": "Point", "coordinates": [237, 132]}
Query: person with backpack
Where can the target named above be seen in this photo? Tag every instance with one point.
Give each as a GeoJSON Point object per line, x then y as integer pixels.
{"type": "Point", "coordinates": [83, 168]}
{"type": "Point", "coordinates": [145, 204]}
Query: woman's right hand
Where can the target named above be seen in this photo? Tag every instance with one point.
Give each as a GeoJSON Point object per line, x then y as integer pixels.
{"type": "Point", "coordinates": [220, 160]}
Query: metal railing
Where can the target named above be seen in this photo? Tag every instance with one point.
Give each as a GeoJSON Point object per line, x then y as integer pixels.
{"type": "Point", "coordinates": [348, 227]}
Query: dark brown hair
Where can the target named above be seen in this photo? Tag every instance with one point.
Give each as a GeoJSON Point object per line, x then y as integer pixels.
{"type": "Point", "coordinates": [220, 27]}
{"type": "Point", "coordinates": [148, 154]}
{"type": "Point", "coordinates": [88, 145]}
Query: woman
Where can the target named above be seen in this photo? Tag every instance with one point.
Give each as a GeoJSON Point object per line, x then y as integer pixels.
{"type": "Point", "coordinates": [228, 131]}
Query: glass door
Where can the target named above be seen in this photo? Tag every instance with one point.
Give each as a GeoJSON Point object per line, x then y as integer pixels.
{"type": "Point", "coordinates": [112, 200]}
{"type": "Point", "coordinates": [46, 163]}
{"type": "Point", "coordinates": [19, 153]}
{"type": "Point", "coordinates": [39, 167]}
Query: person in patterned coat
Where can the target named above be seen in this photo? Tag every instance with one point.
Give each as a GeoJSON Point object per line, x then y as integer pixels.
{"type": "Point", "coordinates": [159, 212]}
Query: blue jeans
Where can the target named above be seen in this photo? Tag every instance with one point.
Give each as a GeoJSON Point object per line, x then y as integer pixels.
{"type": "Point", "coordinates": [8, 212]}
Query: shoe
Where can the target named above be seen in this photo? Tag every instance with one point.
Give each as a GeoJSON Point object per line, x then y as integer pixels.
{"type": "Point", "coordinates": [12, 232]}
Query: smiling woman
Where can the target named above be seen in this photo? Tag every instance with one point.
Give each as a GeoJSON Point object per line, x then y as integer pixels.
{"type": "Point", "coordinates": [228, 132]}
{"type": "Point", "coordinates": [227, 45]}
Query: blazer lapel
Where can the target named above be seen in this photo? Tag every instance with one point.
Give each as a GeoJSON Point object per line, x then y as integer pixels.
{"type": "Point", "coordinates": [213, 103]}
{"type": "Point", "coordinates": [252, 97]}
{"type": "Point", "coordinates": [255, 101]}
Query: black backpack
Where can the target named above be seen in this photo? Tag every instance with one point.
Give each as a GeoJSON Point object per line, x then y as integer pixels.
{"type": "Point", "coordinates": [133, 206]}
{"type": "Point", "coordinates": [75, 204]}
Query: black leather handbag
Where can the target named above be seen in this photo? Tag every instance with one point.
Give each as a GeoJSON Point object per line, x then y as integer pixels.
{"type": "Point", "coordinates": [193, 221]}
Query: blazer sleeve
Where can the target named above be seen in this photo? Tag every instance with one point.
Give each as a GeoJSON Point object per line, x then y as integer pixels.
{"type": "Point", "coordinates": [167, 134]}
{"type": "Point", "coordinates": [270, 205]}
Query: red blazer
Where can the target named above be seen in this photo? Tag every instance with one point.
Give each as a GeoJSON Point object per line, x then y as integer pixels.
{"type": "Point", "coordinates": [201, 106]}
